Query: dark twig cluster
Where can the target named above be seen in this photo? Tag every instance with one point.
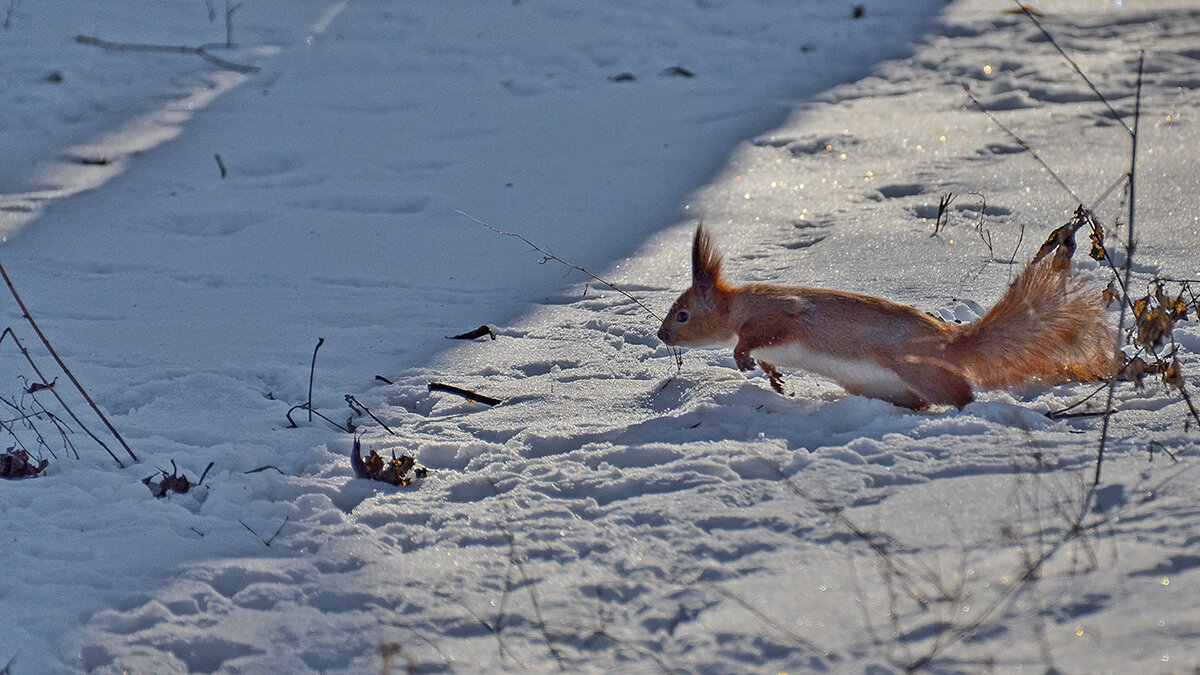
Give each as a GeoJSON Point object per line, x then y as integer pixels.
{"type": "Point", "coordinates": [44, 384]}
{"type": "Point", "coordinates": [174, 481]}
{"type": "Point", "coordinates": [1154, 314]}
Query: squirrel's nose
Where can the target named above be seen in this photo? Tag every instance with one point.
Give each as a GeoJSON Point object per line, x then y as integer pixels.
{"type": "Point", "coordinates": [664, 335]}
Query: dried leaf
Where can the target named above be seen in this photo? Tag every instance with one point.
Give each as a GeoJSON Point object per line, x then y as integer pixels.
{"type": "Point", "coordinates": [1063, 237]}
{"type": "Point", "coordinates": [39, 386]}
{"type": "Point", "coordinates": [16, 464]}
{"type": "Point", "coordinates": [1025, 10]}
{"type": "Point", "coordinates": [1178, 308]}
{"type": "Point", "coordinates": [1153, 327]}
{"type": "Point", "coordinates": [1173, 375]}
{"type": "Point", "coordinates": [1135, 370]}
{"type": "Point", "coordinates": [1062, 240]}
{"type": "Point", "coordinates": [1139, 307]}
{"type": "Point", "coordinates": [1097, 238]}
{"type": "Point", "coordinates": [394, 472]}
{"type": "Point", "coordinates": [1155, 323]}
{"type": "Point", "coordinates": [1110, 294]}
{"type": "Point", "coordinates": [1160, 296]}
{"type": "Point", "coordinates": [173, 482]}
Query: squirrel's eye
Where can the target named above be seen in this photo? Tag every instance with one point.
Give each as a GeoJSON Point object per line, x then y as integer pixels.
{"type": "Point", "coordinates": [681, 317]}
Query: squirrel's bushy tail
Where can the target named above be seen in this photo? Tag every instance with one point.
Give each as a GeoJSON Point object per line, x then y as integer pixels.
{"type": "Point", "coordinates": [1050, 325]}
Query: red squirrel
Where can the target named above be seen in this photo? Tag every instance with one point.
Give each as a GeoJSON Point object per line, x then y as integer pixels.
{"type": "Point", "coordinates": [1050, 325]}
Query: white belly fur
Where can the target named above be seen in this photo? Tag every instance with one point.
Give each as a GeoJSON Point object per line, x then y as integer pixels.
{"type": "Point", "coordinates": [855, 376]}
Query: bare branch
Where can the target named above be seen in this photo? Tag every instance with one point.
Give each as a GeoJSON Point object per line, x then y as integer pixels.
{"type": "Point", "coordinates": [1130, 245]}
{"type": "Point", "coordinates": [201, 51]}
{"type": "Point", "coordinates": [1033, 16]}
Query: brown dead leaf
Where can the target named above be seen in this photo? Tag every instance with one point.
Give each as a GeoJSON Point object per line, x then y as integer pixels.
{"type": "Point", "coordinates": [1097, 239]}
{"type": "Point", "coordinates": [1173, 375]}
{"type": "Point", "coordinates": [1136, 369]}
{"type": "Point", "coordinates": [375, 467]}
{"type": "Point", "coordinates": [173, 482]}
{"type": "Point", "coordinates": [1025, 10]}
{"type": "Point", "coordinates": [16, 464]}
{"type": "Point", "coordinates": [1110, 294]}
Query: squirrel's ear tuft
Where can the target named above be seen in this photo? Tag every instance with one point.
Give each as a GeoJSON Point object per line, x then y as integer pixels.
{"type": "Point", "coordinates": [706, 263]}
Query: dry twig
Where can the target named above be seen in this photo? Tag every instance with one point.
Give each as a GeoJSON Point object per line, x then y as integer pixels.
{"type": "Point", "coordinates": [468, 394]}
{"type": "Point", "coordinates": [546, 255]}
{"type": "Point", "coordinates": [201, 51]}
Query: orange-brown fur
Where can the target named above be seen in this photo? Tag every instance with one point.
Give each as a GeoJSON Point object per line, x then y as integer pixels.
{"type": "Point", "coordinates": [1049, 325]}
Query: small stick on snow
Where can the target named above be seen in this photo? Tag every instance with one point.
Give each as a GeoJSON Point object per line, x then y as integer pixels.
{"type": "Point", "coordinates": [304, 406]}
{"type": "Point", "coordinates": [264, 468]}
{"type": "Point", "coordinates": [477, 333]}
{"type": "Point", "coordinates": [229, 10]}
{"type": "Point", "coordinates": [311, 373]}
{"type": "Point", "coordinates": [266, 542]}
{"type": "Point", "coordinates": [357, 406]}
{"type": "Point", "coordinates": [465, 393]}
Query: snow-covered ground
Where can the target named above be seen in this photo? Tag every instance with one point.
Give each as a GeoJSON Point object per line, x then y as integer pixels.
{"type": "Point", "coordinates": [618, 511]}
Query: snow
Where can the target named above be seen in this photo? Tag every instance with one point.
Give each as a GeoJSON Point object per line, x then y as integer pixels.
{"type": "Point", "coordinates": [619, 510]}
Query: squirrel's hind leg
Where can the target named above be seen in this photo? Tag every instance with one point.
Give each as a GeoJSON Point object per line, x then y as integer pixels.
{"type": "Point", "coordinates": [933, 381]}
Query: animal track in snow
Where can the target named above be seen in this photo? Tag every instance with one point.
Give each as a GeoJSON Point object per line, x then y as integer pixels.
{"type": "Point", "coordinates": [821, 145]}
{"type": "Point", "coordinates": [902, 190]}
{"type": "Point", "coordinates": [806, 233]}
